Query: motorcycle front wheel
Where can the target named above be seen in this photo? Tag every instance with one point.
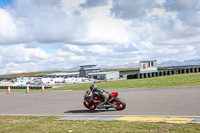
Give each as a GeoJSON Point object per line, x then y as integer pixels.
{"type": "Point", "coordinates": [89, 106]}
{"type": "Point", "coordinates": [120, 103]}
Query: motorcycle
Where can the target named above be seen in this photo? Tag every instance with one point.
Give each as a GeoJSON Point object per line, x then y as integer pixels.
{"type": "Point", "coordinates": [113, 101]}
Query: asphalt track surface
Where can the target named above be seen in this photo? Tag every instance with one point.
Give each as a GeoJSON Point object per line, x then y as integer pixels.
{"type": "Point", "coordinates": [177, 101]}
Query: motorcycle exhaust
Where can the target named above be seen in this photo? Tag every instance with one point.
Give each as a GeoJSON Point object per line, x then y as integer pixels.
{"type": "Point", "coordinates": [110, 106]}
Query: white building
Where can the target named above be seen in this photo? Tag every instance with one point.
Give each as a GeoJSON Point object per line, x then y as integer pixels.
{"type": "Point", "coordinates": [104, 75]}
{"type": "Point", "coordinates": [85, 72]}
{"type": "Point", "coordinates": [62, 75]}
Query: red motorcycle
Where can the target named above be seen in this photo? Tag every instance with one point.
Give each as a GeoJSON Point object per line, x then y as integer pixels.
{"type": "Point", "coordinates": [113, 102]}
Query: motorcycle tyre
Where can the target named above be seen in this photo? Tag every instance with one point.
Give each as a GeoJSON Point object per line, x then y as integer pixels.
{"type": "Point", "coordinates": [116, 99]}
{"type": "Point", "coordinates": [89, 108]}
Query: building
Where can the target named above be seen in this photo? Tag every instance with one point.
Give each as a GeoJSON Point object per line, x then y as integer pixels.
{"type": "Point", "coordinates": [148, 66]}
{"type": "Point", "coordinates": [87, 71]}
{"type": "Point", "coordinates": [104, 75]}
{"type": "Point", "coordinates": [62, 75]}
{"type": "Point", "coordinates": [92, 71]}
{"type": "Point", "coordinates": [84, 70]}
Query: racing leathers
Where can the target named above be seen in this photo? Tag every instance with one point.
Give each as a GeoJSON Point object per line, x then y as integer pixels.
{"type": "Point", "coordinates": [102, 94]}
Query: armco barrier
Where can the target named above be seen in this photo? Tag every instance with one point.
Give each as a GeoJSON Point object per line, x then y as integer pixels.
{"type": "Point", "coordinates": [25, 87]}
{"type": "Point", "coordinates": [163, 73]}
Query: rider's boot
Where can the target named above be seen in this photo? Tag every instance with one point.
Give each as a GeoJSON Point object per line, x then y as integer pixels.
{"type": "Point", "coordinates": [100, 105]}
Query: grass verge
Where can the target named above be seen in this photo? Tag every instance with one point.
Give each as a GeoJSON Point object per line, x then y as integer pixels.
{"type": "Point", "coordinates": [41, 124]}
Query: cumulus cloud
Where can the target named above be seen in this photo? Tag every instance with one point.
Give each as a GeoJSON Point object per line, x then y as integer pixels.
{"type": "Point", "coordinates": [180, 5]}
{"type": "Point", "coordinates": [42, 21]}
{"type": "Point", "coordinates": [94, 3]}
{"type": "Point", "coordinates": [42, 35]}
{"type": "Point", "coordinates": [131, 9]}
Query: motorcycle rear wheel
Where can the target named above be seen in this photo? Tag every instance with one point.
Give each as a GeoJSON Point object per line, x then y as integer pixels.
{"type": "Point", "coordinates": [120, 103]}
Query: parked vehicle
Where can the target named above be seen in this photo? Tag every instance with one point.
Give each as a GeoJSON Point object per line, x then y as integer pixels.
{"type": "Point", "coordinates": [20, 83]}
{"type": "Point", "coordinates": [31, 82]}
{"type": "Point", "coordinates": [37, 83]}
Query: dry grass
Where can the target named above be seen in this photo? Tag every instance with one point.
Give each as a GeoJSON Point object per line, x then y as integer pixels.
{"type": "Point", "coordinates": [49, 124]}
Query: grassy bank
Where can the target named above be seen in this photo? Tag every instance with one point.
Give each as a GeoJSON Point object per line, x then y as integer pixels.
{"type": "Point", "coordinates": [41, 124]}
{"type": "Point", "coordinates": [191, 79]}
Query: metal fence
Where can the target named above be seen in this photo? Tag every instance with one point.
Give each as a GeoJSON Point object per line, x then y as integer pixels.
{"type": "Point", "coordinates": [163, 73]}
{"type": "Point", "coordinates": [25, 87]}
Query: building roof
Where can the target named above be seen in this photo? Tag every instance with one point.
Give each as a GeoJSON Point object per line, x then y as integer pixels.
{"type": "Point", "coordinates": [87, 65]}
{"type": "Point", "coordinates": [91, 69]}
{"type": "Point", "coordinates": [58, 74]}
{"type": "Point", "coordinates": [148, 61]}
{"type": "Point", "coordinates": [102, 73]}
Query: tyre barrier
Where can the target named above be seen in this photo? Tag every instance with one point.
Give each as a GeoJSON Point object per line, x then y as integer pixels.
{"type": "Point", "coordinates": [169, 72]}
{"type": "Point", "coordinates": [196, 70]}
{"type": "Point", "coordinates": [183, 70]}
{"type": "Point", "coordinates": [163, 73]}
{"type": "Point", "coordinates": [187, 70]}
{"type": "Point", "coordinates": [154, 74]}
{"type": "Point", "coordinates": [146, 75]}
{"type": "Point", "coordinates": [25, 87]}
{"type": "Point", "coordinates": [174, 72]}
{"type": "Point", "coordinates": [149, 75]}
{"type": "Point", "coordinates": [192, 70]}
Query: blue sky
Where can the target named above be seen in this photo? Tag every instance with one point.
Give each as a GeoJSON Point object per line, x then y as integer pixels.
{"type": "Point", "coordinates": [41, 35]}
{"type": "Point", "coordinates": [4, 3]}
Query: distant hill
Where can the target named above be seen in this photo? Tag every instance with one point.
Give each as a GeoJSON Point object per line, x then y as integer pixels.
{"type": "Point", "coordinates": [171, 63]}
{"type": "Point", "coordinates": [178, 63]}
{"type": "Point", "coordinates": [163, 64]}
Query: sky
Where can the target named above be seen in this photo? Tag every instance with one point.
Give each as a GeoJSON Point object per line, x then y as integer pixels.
{"type": "Point", "coordinates": [44, 35]}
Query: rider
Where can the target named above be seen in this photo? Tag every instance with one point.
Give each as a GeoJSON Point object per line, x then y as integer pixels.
{"type": "Point", "coordinates": [100, 93]}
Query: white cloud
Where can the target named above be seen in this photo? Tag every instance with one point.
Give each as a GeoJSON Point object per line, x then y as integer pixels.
{"type": "Point", "coordinates": [179, 5]}
{"type": "Point", "coordinates": [42, 35]}
{"type": "Point", "coordinates": [158, 11]}
{"type": "Point", "coordinates": [98, 49]}
{"type": "Point", "coordinates": [160, 1]}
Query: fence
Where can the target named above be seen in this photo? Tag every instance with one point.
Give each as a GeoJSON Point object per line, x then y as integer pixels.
{"type": "Point", "coordinates": [163, 73]}
{"type": "Point", "coordinates": [25, 87]}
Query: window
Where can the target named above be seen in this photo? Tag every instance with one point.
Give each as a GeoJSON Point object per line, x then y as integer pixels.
{"type": "Point", "coordinates": [150, 64]}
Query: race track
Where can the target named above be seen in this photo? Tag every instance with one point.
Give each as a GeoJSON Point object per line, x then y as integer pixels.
{"type": "Point", "coordinates": [177, 101]}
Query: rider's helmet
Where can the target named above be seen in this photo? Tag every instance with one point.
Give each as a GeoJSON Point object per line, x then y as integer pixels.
{"type": "Point", "coordinates": [92, 87]}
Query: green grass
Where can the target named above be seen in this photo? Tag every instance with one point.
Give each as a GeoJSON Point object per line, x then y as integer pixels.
{"type": "Point", "coordinates": [49, 124]}
{"type": "Point", "coordinates": [191, 79]}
